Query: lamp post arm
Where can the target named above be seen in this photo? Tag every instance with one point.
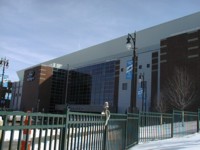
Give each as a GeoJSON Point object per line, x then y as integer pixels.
{"type": "Point", "coordinates": [134, 41]}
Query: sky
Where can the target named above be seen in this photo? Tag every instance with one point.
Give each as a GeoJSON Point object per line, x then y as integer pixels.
{"type": "Point", "coordinates": [189, 142]}
{"type": "Point", "coordinates": [35, 31]}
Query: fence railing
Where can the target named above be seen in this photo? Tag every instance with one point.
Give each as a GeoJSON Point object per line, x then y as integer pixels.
{"type": "Point", "coordinates": [83, 131]}
{"type": "Point", "coordinates": [71, 131]}
{"type": "Point", "coordinates": [36, 130]}
{"type": "Point", "coordinates": [155, 126]}
{"type": "Point", "coordinates": [185, 123]}
{"type": "Point", "coordinates": [87, 131]}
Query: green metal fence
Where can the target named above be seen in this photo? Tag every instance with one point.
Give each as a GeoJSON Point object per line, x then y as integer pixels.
{"type": "Point", "coordinates": [122, 131]}
{"type": "Point", "coordinates": [132, 130]}
{"type": "Point", "coordinates": [72, 131]}
{"type": "Point", "coordinates": [83, 131]}
{"type": "Point", "coordinates": [185, 123]}
{"type": "Point", "coordinates": [116, 132]}
{"type": "Point", "coordinates": [155, 126]}
{"type": "Point", "coordinates": [43, 130]}
{"type": "Point", "coordinates": [87, 131]}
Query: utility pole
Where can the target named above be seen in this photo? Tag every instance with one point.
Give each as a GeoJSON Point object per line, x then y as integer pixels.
{"type": "Point", "coordinates": [3, 63]}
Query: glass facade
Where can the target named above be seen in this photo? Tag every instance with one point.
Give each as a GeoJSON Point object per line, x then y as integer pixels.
{"type": "Point", "coordinates": [93, 85]}
{"type": "Point", "coordinates": [58, 88]}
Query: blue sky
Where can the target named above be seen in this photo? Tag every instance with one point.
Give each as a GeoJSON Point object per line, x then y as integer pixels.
{"type": "Point", "coordinates": [34, 31]}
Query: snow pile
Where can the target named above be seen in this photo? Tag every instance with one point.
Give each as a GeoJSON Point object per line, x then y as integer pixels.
{"type": "Point", "coordinates": [189, 142]}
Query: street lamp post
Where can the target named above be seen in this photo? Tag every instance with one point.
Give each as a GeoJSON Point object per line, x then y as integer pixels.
{"type": "Point", "coordinates": [131, 45]}
{"type": "Point", "coordinates": [144, 91]}
{"type": "Point", "coordinates": [38, 105]}
{"type": "Point", "coordinates": [144, 97]}
{"type": "Point", "coordinates": [3, 63]}
{"type": "Point", "coordinates": [141, 80]}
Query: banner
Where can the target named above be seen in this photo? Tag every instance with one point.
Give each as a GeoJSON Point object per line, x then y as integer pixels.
{"type": "Point", "coordinates": [129, 68]}
{"type": "Point", "coordinates": [140, 92]}
{"type": "Point", "coordinates": [5, 80]}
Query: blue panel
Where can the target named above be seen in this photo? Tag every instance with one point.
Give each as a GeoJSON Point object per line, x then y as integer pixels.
{"type": "Point", "coordinates": [129, 67]}
{"type": "Point", "coordinates": [140, 92]}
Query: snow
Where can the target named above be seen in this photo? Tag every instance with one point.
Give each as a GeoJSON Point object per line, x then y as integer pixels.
{"type": "Point", "coordinates": [43, 132]}
{"type": "Point", "coordinates": [189, 142]}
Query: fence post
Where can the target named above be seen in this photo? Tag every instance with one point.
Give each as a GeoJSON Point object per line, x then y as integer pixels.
{"type": "Point", "coordinates": [105, 113]}
{"type": "Point", "coordinates": [126, 130]}
{"type": "Point", "coordinates": [1, 124]}
{"type": "Point", "coordinates": [64, 133]}
{"type": "Point", "coordinates": [138, 127]}
{"type": "Point", "coordinates": [172, 125]}
{"type": "Point", "coordinates": [198, 120]}
{"type": "Point", "coordinates": [26, 141]}
{"type": "Point", "coordinates": [183, 118]}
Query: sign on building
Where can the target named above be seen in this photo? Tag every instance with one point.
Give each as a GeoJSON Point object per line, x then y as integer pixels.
{"type": "Point", "coordinates": [129, 67]}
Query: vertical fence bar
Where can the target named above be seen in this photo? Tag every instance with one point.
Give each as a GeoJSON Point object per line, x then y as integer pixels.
{"type": "Point", "coordinates": [56, 133]}
{"type": "Point", "coordinates": [12, 133]}
{"type": "Point", "coordinates": [138, 128]}
{"type": "Point", "coordinates": [64, 133]}
{"type": "Point", "coordinates": [4, 118]}
{"type": "Point", "coordinates": [92, 133]}
{"type": "Point", "coordinates": [86, 132]}
{"type": "Point", "coordinates": [105, 136]}
{"type": "Point", "coordinates": [105, 113]}
{"type": "Point", "coordinates": [126, 130]}
{"type": "Point", "coordinates": [33, 139]}
{"type": "Point", "coordinates": [20, 133]}
{"type": "Point", "coordinates": [46, 133]}
{"type": "Point", "coordinates": [100, 135]}
{"type": "Point", "coordinates": [51, 134]}
{"type": "Point", "coordinates": [132, 129]}
{"type": "Point", "coordinates": [40, 133]}
{"type": "Point", "coordinates": [34, 133]}
{"type": "Point", "coordinates": [198, 120]}
{"type": "Point", "coordinates": [172, 125]}
{"type": "Point", "coordinates": [75, 134]}
{"type": "Point", "coordinates": [95, 139]}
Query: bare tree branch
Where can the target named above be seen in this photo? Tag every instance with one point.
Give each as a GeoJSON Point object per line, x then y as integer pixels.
{"type": "Point", "coordinates": [161, 105]}
{"type": "Point", "coordinates": [180, 89]}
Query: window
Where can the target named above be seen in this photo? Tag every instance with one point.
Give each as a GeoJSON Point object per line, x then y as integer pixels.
{"type": "Point", "coordinates": [193, 39]}
{"type": "Point", "coordinates": [124, 86]}
{"type": "Point", "coordinates": [194, 47]}
{"type": "Point", "coordinates": [92, 84]}
{"type": "Point", "coordinates": [193, 56]}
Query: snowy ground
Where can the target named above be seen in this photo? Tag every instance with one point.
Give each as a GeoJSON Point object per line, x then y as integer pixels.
{"type": "Point", "coordinates": [189, 142]}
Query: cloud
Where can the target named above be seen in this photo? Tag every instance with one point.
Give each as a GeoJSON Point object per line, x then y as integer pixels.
{"type": "Point", "coordinates": [26, 55]}
{"type": "Point", "coordinates": [33, 31]}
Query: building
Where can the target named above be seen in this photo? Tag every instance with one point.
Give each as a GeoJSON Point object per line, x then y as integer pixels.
{"type": "Point", "coordinates": [87, 86]}
{"type": "Point", "coordinates": [181, 50]}
{"type": "Point", "coordinates": [16, 95]}
{"type": "Point", "coordinates": [5, 94]}
{"type": "Point", "coordinates": [43, 88]}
